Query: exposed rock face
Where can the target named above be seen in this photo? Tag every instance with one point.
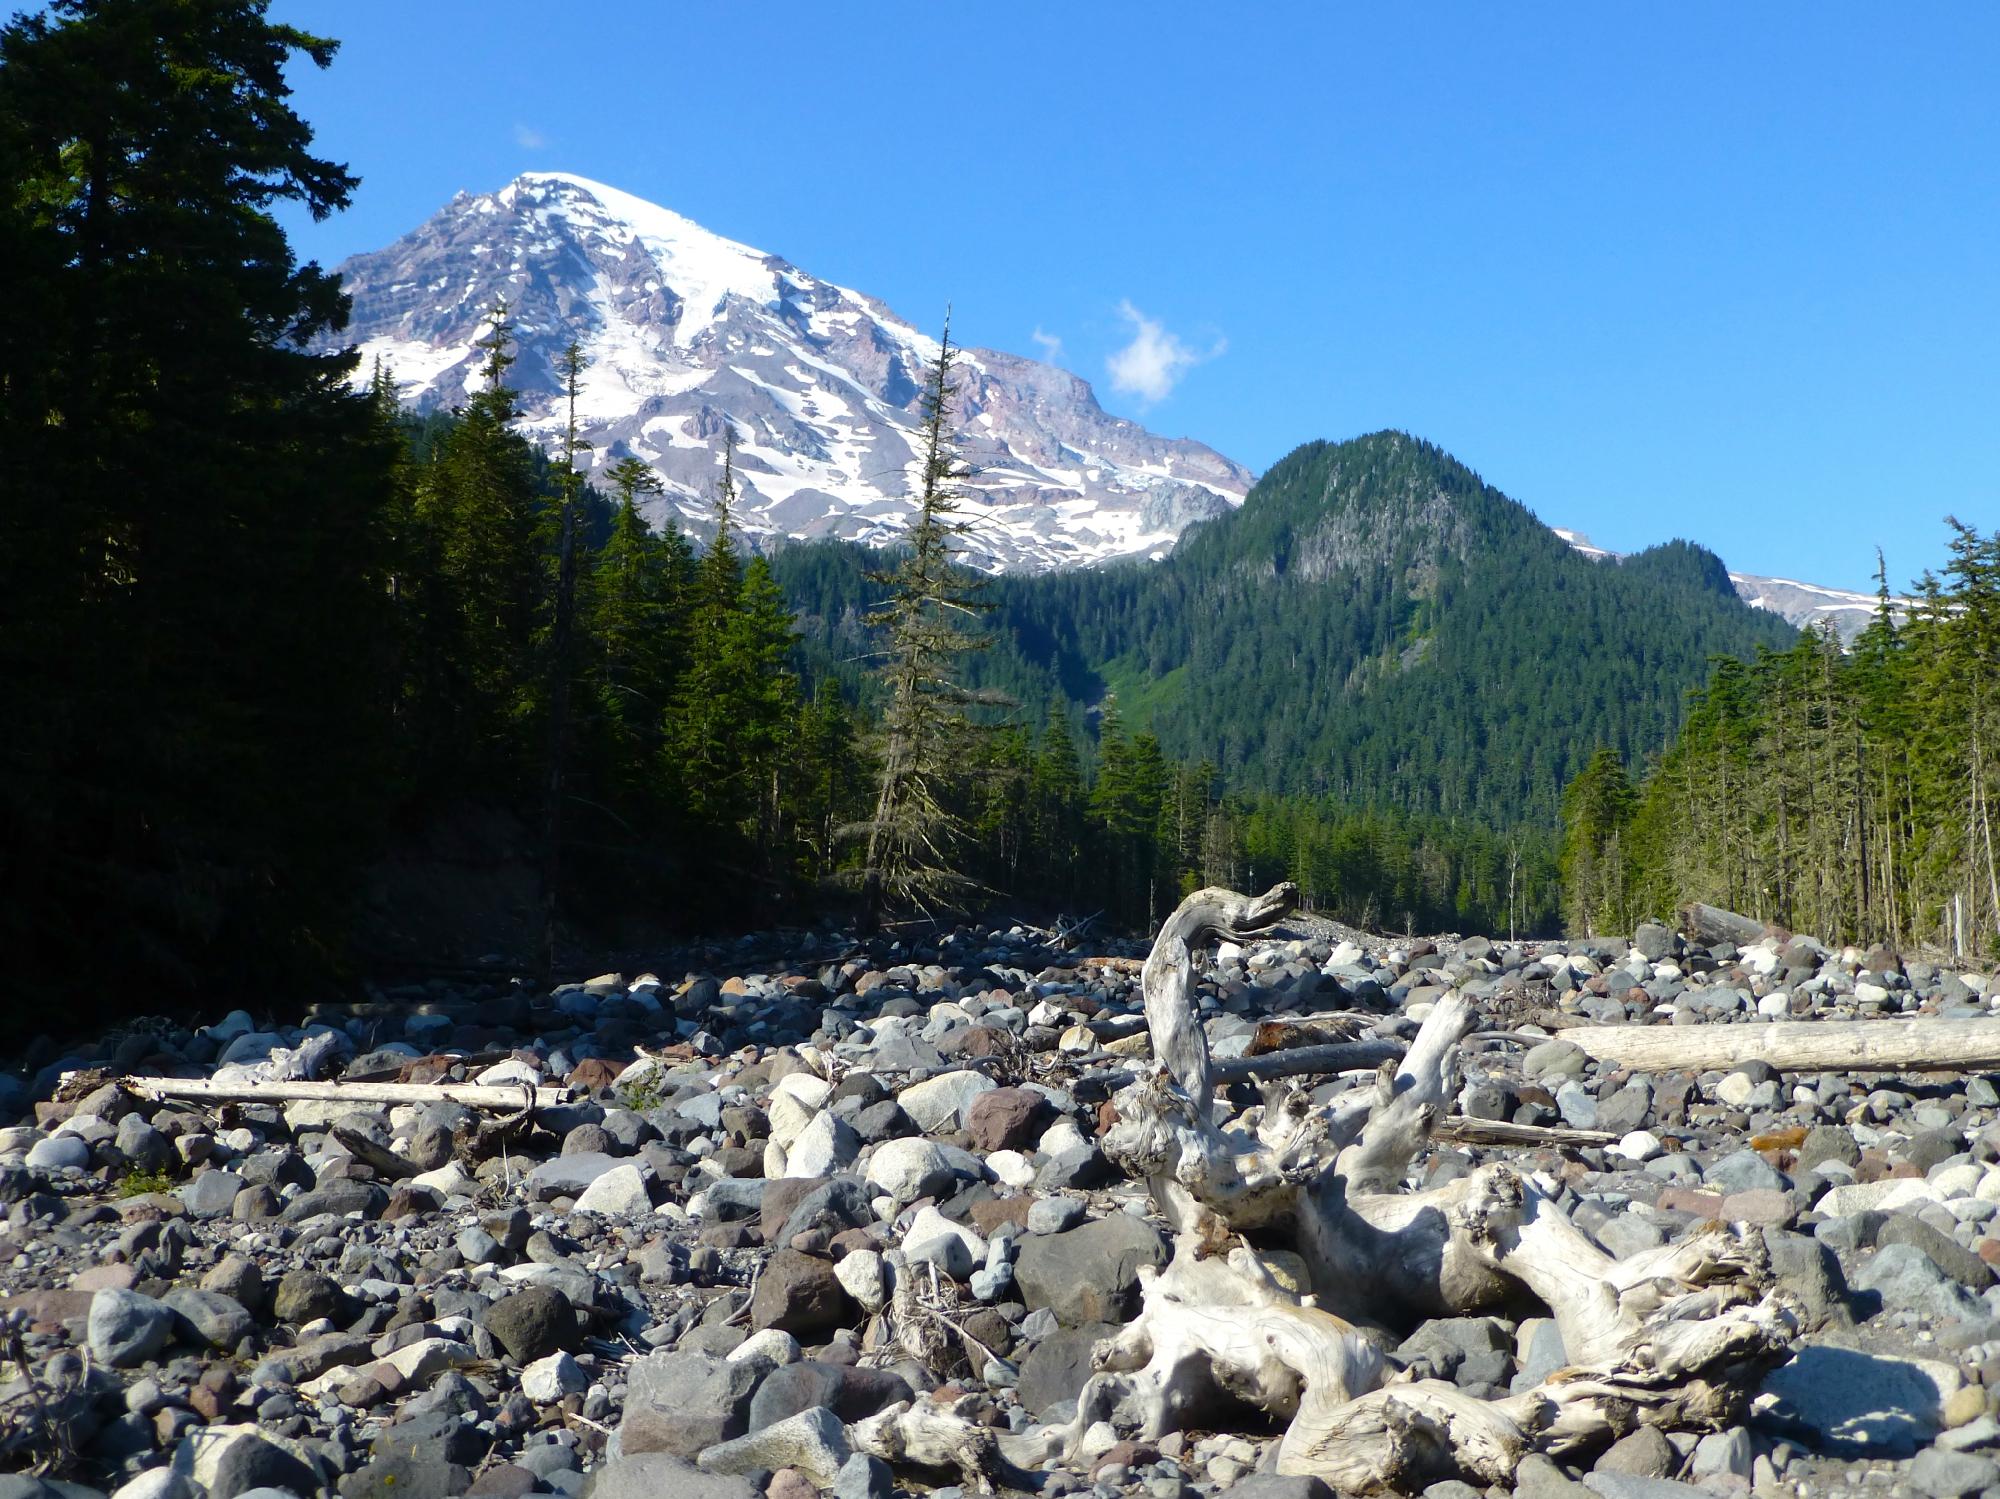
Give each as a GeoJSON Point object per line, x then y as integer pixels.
{"type": "Point", "coordinates": [689, 333]}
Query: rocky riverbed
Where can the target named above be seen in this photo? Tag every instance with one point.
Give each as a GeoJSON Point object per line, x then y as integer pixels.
{"type": "Point", "coordinates": [681, 1281]}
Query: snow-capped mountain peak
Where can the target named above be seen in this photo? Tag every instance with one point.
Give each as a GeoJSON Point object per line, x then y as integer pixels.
{"type": "Point", "coordinates": [688, 333]}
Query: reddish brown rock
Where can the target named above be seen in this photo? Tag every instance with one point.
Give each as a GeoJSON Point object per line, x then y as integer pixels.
{"type": "Point", "coordinates": [106, 1278]}
{"type": "Point", "coordinates": [1005, 1119]}
{"type": "Point", "coordinates": [1762, 1205]}
{"type": "Point", "coordinates": [1127, 1454]}
{"type": "Point", "coordinates": [989, 1213]}
{"type": "Point", "coordinates": [799, 1294]}
{"type": "Point", "coordinates": [593, 1073]}
{"type": "Point", "coordinates": [1687, 1200]}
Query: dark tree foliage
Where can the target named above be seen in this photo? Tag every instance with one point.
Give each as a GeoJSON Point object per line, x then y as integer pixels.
{"type": "Point", "coordinates": [929, 623]}
{"type": "Point", "coordinates": [192, 543]}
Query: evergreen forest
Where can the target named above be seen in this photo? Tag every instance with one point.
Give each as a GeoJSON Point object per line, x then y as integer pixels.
{"type": "Point", "coordinates": [1847, 794]}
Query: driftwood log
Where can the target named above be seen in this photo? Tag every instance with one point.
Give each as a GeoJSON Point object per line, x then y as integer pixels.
{"type": "Point", "coordinates": [473, 1095]}
{"type": "Point", "coordinates": [1918, 1044]}
{"type": "Point", "coordinates": [1674, 1337]}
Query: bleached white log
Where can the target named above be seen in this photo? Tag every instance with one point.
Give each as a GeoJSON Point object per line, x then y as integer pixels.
{"type": "Point", "coordinates": [473, 1095]}
{"type": "Point", "coordinates": [1921, 1043]}
{"type": "Point", "coordinates": [1167, 979]}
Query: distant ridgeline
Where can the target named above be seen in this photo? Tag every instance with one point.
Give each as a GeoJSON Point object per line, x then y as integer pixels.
{"type": "Point", "coordinates": [1375, 624]}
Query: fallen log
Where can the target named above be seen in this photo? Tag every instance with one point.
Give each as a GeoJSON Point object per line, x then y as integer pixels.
{"type": "Point", "coordinates": [1918, 1044]}
{"type": "Point", "coordinates": [1465, 1130]}
{"type": "Point", "coordinates": [1711, 926]}
{"type": "Point", "coordinates": [1310, 1030]}
{"type": "Point", "coordinates": [1305, 1061]}
{"type": "Point", "coordinates": [473, 1095]}
{"type": "Point", "coordinates": [383, 1161]}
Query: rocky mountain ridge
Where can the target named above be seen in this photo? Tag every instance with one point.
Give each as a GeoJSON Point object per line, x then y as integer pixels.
{"type": "Point", "coordinates": [688, 331]}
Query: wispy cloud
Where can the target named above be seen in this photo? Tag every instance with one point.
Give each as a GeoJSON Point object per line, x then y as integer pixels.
{"type": "Point", "coordinates": [1050, 344]}
{"type": "Point", "coordinates": [528, 137]}
{"type": "Point", "coordinates": [1152, 364]}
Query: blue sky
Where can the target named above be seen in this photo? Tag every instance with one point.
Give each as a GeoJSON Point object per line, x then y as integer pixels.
{"type": "Point", "coordinates": [1718, 271]}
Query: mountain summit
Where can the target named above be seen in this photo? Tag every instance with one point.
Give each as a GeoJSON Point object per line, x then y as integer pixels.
{"type": "Point", "coordinates": [686, 331]}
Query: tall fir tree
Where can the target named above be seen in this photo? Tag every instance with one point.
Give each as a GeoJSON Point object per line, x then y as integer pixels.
{"type": "Point", "coordinates": [479, 500]}
{"type": "Point", "coordinates": [559, 652]}
{"type": "Point", "coordinates": [710, 781]}
{"type": "Point", "coordinates": [1597, 813]}
{"type": "Point", "coordinates": [636, 621]}
{"type": "Point", "coordinates": [914, 852]}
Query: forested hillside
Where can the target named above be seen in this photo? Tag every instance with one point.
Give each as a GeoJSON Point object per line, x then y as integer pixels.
{"type": "Point", "coordinates": [1376, 624]}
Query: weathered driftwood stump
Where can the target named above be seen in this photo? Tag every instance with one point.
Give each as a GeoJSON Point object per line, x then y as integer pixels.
{"type": "Point", "coordinates": [1674, 1337]}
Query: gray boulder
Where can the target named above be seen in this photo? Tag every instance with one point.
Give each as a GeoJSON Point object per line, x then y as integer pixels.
{"type": "Point", "coordinates": [850, 1392]}
{"type": "Point", "coordinates": [1908, 1280]}
{"type": "Point", "coordinates": [1641, 1453]}
{"type": "Point", "coordinates": [532, 1324]}
{"type": "Point", "coordinates": [1055, 1369]}
{"type": "Point", "coordinates": [1091, 1273]}
{"type": "Point", "coordinates": [1280, 1486]}
{"type": "Point", "coordinates": [1952, 1475]}
{"type": "Point", "coordinates": [126, 1328]}
{"type": "Point", "coordinates": [684, 1403]}
{"type": "Point", "coordinates": [212, 1194]}
{"type": "Point", "coordinates": [813, 1441]}
{"type": "Point", "coordinates": [1811, 1272]}
{"type": "Point", "coordinates": [211, 1317]}
{"type": "Point", "coordinates": [1854, 1404]}
{"type": "Point", "coordinates": [656, 1475]}
{"type": "Point", "coordinates": [864, 1476]}
{"type": "Point", "coordinates": [1953, 1258]}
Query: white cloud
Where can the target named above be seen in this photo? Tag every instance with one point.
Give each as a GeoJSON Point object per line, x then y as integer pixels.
{"type": "Point", "coordinates": [1050, 344]}
{"type": "Point", "coordinates": [1153, 362]}
{"type": "Point", "coordinates": [529, 137]}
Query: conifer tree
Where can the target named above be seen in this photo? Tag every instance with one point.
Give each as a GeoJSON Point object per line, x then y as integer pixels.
{"type": "Point", "coordinates": [710, 779]}
{"type": "Point", "coordinates": [562, 619]}
{"type": "Point", "coordinates": [764, 701]}
{"type": "Point", "coordinates": [827, 790]}
{"type": "Point", "coordinates": [914, 839]}
{"type": "Point", "coordinates": [636, 622]}
{"type": "Point", "coordinates": [479, 500]}
{"type": "Point", "coordinates": [1597, 812]}
{"type": "Point", "coordinates": [191, 538]}
{"type": "Point", "coordinates": [1055, 793]}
